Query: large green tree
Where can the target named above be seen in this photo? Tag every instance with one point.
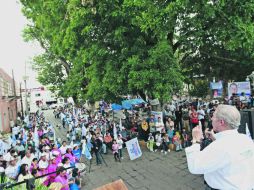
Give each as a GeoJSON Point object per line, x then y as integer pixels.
{"type": "Point", "coordinates": [108, 48]}
{"type": "Point", "coordinates": [217, 38]}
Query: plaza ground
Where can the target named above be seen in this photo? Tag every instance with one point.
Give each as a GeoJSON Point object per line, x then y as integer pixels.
{"type": "Point", "coordinates": [152, 171]}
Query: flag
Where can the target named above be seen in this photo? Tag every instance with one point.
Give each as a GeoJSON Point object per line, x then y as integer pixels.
{"type": "Point", "coordinates": [248, 131]}
{"type": "Point", "coordinates": [120, 125]}
{"type": "Point", "coordinates": [115, 131]}
{"type": "Point", "coordinates": [36, 138]}
{"type": "Point", "coordinates": [87, 153]}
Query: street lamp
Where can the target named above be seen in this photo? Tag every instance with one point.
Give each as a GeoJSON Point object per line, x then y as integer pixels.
{"type": "Point", "coordinates": [25, 78]}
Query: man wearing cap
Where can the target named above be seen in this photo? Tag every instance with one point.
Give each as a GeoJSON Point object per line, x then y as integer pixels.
{"type": "Point", "coordinates": [20, 148]}
{"type": "Point", "coordinates": [43, 163]}
{"type": "Point", "coordinates": [12, 169]}
{"type": "Point", "coordinates": [46, 151]}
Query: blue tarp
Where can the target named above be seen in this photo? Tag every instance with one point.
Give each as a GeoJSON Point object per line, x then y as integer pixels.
{"type": "Point", "coordinates": [116, 107]}
{"type": "Point", "coordinates": [127, 104]}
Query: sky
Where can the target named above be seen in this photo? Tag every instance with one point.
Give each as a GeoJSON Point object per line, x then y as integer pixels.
{"type": "Point", "coordinates": [14, 52]}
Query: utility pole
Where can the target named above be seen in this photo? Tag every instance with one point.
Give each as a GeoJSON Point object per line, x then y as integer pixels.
{"type": "Point", "coordinates": [22, 111]}
{"type": "Point", "coordinates": [15, 95]}
{"type": "Point", "coordinates": [25, 78]}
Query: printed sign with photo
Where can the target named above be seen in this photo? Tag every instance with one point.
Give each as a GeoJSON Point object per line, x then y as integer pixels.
{"type": "Point", "coordinates": [133, 149]}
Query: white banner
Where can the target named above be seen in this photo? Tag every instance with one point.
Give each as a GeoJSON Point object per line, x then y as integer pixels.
{"type": "Point", "coordinates": [133, 149]}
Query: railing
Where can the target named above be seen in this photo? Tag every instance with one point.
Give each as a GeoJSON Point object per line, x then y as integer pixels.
{"type": "Point", "coordinates": [29, 182]}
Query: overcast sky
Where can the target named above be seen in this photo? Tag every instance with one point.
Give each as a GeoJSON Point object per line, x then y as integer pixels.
{"type": "Point", "coordinates": [14, 52]}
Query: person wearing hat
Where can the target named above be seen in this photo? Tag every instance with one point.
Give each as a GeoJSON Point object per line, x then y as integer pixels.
{"type": "Point", "coordinates": [47, 152]}
{"type": "Point", "coordinates": [20, 148]}
{"type": "Point", "coordinates": [43, 163]}
{"type": "Point", "coordinates": [12, 169]}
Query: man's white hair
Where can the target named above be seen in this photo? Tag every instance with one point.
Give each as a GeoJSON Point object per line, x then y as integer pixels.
{"type": "Point", "coordinates": [229, 114]}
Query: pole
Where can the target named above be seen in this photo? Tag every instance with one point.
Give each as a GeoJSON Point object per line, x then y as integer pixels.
{"type": "Point", "coordinates": [21, 101]}
{"type": "Point", "coordinates": [26, 112]}
{"type": "Point", "coordinates": [14, 93]}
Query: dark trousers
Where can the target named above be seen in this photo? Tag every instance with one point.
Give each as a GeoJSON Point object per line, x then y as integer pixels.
{"type": "Point", "coordinates": [116, 156]}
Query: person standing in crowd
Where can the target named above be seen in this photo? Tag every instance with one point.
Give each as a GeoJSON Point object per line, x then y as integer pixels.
{"type": "Point", "coordinates": [115, 151]}
{"type": "Point", "coordinates": [228, 162]}
{"type": "Point", "coordinates": [120, 148]}
{"type": "Point", "coordinates": [178, 120]}
{"type": "Point", "coordinates": [193, 118]}
{"type": "Point", "coordinates": [145, 129]}
{"type": "Point", "coordinates": [201, 116]}
{"type": "Point", "coordinates": [97, 145]}
{"type": "Point", "coordinates": [150, 142]}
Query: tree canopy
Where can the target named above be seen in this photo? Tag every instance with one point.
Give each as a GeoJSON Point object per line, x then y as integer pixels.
{"type": "Point", "coordinates": [109, 48]}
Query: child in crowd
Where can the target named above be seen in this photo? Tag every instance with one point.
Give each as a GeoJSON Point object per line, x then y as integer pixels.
{"type": "Point", "coordinates": [115, 148]}
{"type": "Point", "coordinates": [157, 141]}
{"type": "Point", "coordinates": [177, 141]}
{"type": "Point", "coordinates": [185, 136]}
{"type": "Point", "coordinates": [120, 143]}
{"type": "Point", "coordinates": [164, 144]}
{"type": "Point", "coordinates": [170, 133]}
{"type": "Point", "coordinates": [150, 142]}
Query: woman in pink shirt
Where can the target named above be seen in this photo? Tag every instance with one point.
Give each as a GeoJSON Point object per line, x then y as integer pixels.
{"type": "Point", "coordinates": [62, 178]}
{"type": "Point", "coordinates": [70, 155]}
{"type": "Point", "coordinates": [34, 164]}
{"type": "Point", "coordinates": [52, 168]}
{"type": "Point", "coordinates": [57, 153]}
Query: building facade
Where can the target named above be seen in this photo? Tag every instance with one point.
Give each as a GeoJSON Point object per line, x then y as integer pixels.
{"type": "Point", "coordinates": [8, 102]}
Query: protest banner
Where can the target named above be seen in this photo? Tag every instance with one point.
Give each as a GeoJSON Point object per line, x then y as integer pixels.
{"type": "Point", "coordinates": [133, 149]}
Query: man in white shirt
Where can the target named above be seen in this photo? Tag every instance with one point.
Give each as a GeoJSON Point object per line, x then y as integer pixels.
{"type": "Point", "coordinates": [201, 117]}
{"type": "Point", "coordinates": [63, 148]}
{"type": "Point", "coordinates": [28, 158]}
{"type": "Point", "coordinates": [12, 169]}
{"type": "Point", "coordinates": [228, 162]}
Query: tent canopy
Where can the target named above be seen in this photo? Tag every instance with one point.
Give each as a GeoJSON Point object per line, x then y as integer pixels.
{"type": "Point", "coordinates": [128, 104]}
{"type": "Point", "coordinates": [116, 107]}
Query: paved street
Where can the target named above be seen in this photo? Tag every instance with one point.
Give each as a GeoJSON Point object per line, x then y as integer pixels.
{"type": "Point", "coordinates": [153, 171]}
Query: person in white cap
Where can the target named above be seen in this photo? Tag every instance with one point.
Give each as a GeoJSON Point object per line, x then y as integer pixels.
{"type": "Point", "coordinates": [19, 147]}
{"type": "Point", "coordinates": [47, 152]}
{"type": "Point", "coordinates": [12, 169]}
{"type": "Point", "coordinates": [43, 163]}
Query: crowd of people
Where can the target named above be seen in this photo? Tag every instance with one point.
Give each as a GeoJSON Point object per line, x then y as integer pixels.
{"type": "Point", "coordinates": [32, 154]}
{"type": "Point", "coordinates": [33, 150]}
